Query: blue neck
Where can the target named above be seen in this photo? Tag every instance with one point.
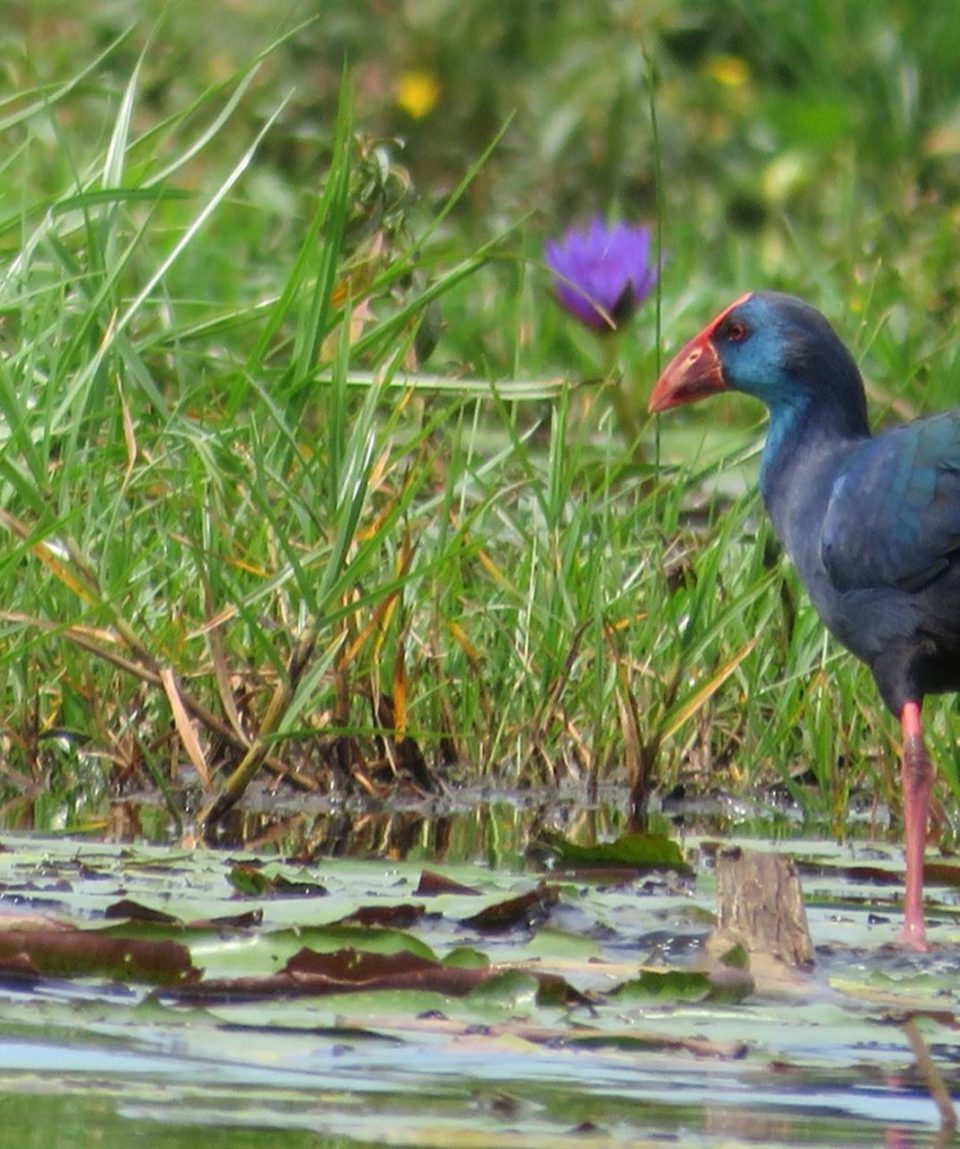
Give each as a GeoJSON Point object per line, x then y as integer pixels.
{"type": "Point", "coordinates": [787, 433]}
{"type": "Point", "coordinates": [798, 425]}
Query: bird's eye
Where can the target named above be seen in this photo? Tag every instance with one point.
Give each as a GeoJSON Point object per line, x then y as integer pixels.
{"type": "Point", "coordinates": [737, 332]}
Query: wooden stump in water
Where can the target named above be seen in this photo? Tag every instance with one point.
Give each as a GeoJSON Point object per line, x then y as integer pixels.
{"type": "Point", "coordinates": [760, 907]}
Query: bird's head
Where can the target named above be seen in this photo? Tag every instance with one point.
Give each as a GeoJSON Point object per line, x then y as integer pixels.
{"type": "Point", "coordinates": [774, 347]}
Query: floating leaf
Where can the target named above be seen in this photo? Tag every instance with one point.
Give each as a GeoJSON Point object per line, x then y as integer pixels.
{"type": "Point", "coordinates": [684, 985]}
{"type": "Point", "coordinates": [137, 912]}
{"type": "Point", "coordinates": [432, 883]}
{"type": "Point", "coordinates": [86, 953]}
{"type": "Point", "coordinates": [250, 880]}
{"type": "Point", "coordinates": [253, 882]}
{"type": "Point", "coordinates": [466, 957]}
{"type": "Point", "coordinates": [398, 917]}
{"type": "Point", "coordinates": [510, 988]}
{"type": "Point", "coordinates": [343, 971]}
{"type": "Point", "coordinates": [640, 852]}
{"type": "Point", "coordinates": [521, 911]}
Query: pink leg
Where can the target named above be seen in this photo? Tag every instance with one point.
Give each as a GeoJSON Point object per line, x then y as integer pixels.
{"type": "Point", "coordinates": [917, 780]}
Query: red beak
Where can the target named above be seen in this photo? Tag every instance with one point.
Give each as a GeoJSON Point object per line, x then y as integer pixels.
{"type": "Point", "coordinates": [693, 372]}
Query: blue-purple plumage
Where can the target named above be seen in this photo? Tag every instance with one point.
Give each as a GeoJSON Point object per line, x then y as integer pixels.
{"type": "Point", "coordinates": [872, 523]}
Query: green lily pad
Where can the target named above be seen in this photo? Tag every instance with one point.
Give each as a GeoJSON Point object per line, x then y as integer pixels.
{"type": "Point", "coordinates": [639, 852]}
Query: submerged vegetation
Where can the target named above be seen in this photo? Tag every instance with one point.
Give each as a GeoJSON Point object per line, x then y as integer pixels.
{"type": "Point", "coordinates": [305, 475]}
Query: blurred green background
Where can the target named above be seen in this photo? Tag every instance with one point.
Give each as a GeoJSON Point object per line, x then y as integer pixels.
{"type": "Point", "coordinates": [814, 146]}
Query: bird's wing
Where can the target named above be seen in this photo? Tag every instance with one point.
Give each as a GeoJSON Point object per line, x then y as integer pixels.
{"type": "Point", "coordinates": [893, 518]}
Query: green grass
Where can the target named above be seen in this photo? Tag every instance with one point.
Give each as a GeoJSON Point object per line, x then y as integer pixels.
{"type": "Point", "coordinates": [299, 473]}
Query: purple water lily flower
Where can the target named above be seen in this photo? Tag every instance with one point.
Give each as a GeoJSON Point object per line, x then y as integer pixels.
{"type": "Point", "coordinates": [602, 275]}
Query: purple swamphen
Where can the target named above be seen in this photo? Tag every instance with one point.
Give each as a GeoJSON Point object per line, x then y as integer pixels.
{"type": "Point", "coordinates": [872, 523]}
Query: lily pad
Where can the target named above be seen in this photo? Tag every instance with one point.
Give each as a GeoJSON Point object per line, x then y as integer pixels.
{"type": "Point", "coordinates": [636, 852]}
{"type": "Point", "coordinates": [588, 1008]}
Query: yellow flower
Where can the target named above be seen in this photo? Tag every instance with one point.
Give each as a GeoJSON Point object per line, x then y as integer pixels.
{"type": "Point", "coordinates": [417, 93]}
{"type": "Point", "coordinates": [730, 71]}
